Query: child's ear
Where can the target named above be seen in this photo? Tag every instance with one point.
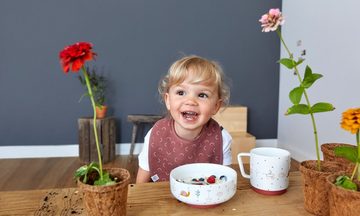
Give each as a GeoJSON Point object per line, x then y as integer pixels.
{"type": "Point", "coordinates": [218, 105]}
{"type": "Point", "coordinates": [167, 101]}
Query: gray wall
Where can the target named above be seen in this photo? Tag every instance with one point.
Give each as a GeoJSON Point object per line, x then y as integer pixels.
{"type": "Point", "coordinates": [136, 41]}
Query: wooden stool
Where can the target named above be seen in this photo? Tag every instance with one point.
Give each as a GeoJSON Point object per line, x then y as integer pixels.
{"type": "Point", "coordinates": [138, 120]}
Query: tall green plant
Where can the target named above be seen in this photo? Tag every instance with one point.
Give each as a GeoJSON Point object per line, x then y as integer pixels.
{"type": "Point", "coordinates": [73, 58]}
{"type": "Point", "coordinates": [272, 21]}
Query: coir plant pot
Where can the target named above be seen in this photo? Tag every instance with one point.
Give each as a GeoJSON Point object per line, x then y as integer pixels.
{"type": "Point", "coordinates": [315, 189]}
{"type": "Point", "coordinates": [329, 155]}
{"type": "Point", "coordinates": [343, 201]}
{"type": "Point", "coordinates": [107, 200]}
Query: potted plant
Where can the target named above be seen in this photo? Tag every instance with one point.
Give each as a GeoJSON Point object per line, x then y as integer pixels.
{"type": "Point", "coordinates": [328, 150]}
{"type": "Point", "coordinates": [98, 84]}
{"type": "Point", "coordinates": [314, 172]}
{"type": "Point", "coordinates": [105, 190]}
{"type": "Point", "coordinates": [344, 192]}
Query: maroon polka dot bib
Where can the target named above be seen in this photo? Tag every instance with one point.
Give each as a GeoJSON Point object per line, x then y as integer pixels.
{"type": "Point", "coordinates": [168, 151]}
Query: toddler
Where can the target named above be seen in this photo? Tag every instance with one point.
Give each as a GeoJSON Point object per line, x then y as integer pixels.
{"type": "Point", "coordinates": [193, 91]}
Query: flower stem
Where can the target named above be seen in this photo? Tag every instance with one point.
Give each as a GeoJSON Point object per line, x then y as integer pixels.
{"type": "Point", "coordinates": [94, 119]}
{"type": "Point", "coordinates": [354, 171]}
{"type": "Point", "coordinates": [283, 42]}
{"type": "Point", "coordinates": [358, 156]}
{"type": "Point", "coordinates": [307, 101]}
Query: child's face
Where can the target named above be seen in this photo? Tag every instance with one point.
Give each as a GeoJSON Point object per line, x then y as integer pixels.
{"type": "Point", "coordinates": [191, 106]}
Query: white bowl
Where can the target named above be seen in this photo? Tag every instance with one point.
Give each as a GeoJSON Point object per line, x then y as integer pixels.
{"type": "Point", "coordinates": [202, 196]}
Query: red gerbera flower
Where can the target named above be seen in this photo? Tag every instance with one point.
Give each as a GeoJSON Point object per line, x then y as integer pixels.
{"type": "Point", "coordinates": [74, 56]}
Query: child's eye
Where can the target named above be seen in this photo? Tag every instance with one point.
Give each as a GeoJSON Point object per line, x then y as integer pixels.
{"type": "Point", "coordinates": [180, 92]}
{"type": "Point", "coordinates": [203, 95]}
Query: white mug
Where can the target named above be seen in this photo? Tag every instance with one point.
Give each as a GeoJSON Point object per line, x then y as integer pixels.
{"type": "Point", "coordinates": [269, 169]}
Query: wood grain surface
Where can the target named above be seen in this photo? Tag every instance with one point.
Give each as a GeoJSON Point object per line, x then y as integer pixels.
{"type": "Point", "coordinates": [45, 173]}
{"type": "Point", "coordinates": [156, 199]}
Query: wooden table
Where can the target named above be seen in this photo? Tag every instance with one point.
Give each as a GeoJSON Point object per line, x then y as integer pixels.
{"type": "Point", "coordinates": [156, 199]}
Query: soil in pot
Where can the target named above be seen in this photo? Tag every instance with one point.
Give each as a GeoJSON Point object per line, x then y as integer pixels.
{"type": "Point", "coordinates": [342, 201]}
{"type": "Point", "coordinates": [107, 200]}
{"type": "Point", "coordinates": [329, 155]}
{"type": "Point", "coordinates": [315, 189]}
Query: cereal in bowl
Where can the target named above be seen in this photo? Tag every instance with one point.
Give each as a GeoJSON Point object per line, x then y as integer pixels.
{"type": "Point", "coordinates": [213, 179]}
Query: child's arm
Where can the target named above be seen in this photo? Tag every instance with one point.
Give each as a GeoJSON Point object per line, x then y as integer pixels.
{"type": "Point", "coordinates": [227, 140]}
{"type": "Point", "coordinates": [143, 176]}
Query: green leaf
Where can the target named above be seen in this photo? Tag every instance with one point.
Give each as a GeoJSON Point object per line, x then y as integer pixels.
{"type": "Point", "coordinates": [300, 61]}
{"type": "Point", "coordinates": [310, 78]}
{"type": "Point", "coordinates": [340, 179]}
{"type": "Point", "coordinates": [93, 165]}
{"type": "Point", "coordinates": [345, 182]}
{"type": "Point", "coordinates": [289, 63]}
{"type": "Point", "coordinates": [322, 107]}
{"type": "Point", "coordinates": [308, 72]}
{"type": "Point", "coordinates": [106, 180]}
{"type": "Point", "coordinates": [307, 83]}
{"type": "Point", "coordinates": [85, 94]}
{"type": "Point", "coordinates": [85, 170]}
{"type": "Point", "coordinates": [347, 152]}
{"type": "Point", "coordinates": [296, 94]}
{"type": "Point", "coordinates": [298, 109]}
{"type": "Point", "coordinates": [81, 171]}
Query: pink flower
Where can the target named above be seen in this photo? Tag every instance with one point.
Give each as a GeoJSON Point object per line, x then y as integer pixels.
{"type": "Point", "coordinates": [271, 20]}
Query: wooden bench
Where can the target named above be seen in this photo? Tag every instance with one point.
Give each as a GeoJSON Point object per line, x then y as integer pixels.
{"type": "Point", "coordinates": [234, 120]}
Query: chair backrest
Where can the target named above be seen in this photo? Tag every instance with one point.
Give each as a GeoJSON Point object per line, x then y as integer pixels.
{"type": "Point", "coordinates": [233, 118]}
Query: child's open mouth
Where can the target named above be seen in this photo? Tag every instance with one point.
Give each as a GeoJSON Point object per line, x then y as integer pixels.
{"type": "Point", "coordinates": [189, 115]}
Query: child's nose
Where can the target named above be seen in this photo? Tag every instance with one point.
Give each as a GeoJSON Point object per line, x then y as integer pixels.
{"type": "Point", "coordinates": [191, 100]}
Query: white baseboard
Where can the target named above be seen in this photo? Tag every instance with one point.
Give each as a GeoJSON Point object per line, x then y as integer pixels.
{"type": "Point", "coordinates": [39, 151]}
{"type": "Point", "coordinates": [57, 150]}
{"type": "Point", "coordinates": [73, 150]}
{"type": "Point", "coordinates": [124, 148]}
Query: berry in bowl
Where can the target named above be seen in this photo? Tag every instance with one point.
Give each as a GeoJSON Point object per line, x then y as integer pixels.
{"type": "Point", "coordinates": [203, 185]}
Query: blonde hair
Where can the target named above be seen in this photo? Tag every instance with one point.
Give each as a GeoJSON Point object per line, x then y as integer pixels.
{"type": "Point", "coordinates": [203, 70]}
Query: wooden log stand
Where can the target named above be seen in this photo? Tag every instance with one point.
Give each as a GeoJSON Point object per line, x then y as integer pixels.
{"type": "Point", "coordinates": [106, 129]}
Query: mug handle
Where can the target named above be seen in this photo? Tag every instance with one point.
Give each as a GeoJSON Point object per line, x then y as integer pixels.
{"type": "Point", "coordinates": [241, 165]}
